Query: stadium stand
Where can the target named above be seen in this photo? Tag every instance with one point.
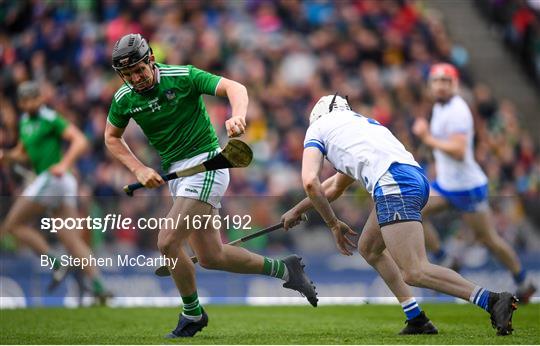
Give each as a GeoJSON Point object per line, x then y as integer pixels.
{"type": "Point", "coordinates": [517, 23]}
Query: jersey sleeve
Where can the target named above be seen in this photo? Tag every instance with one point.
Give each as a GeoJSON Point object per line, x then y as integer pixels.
{"type": "Point", "coordinates": [59, 124]}
{"type": "Point", "coordinates": [314, 139]}
{"type": "Point", "coordinates": [204, 82]}
{"type": "Point", "coordinates": [116, 117]}
{"type": "Point", "coordinates": [461, 120]}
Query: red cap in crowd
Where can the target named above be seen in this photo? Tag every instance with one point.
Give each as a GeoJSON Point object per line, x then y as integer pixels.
{"type": "Point", "coordinates": [443, 70]}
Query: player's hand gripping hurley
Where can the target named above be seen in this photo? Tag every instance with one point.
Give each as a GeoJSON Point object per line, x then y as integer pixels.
{"type": "Point", "coordinates": [164, 270]}
{"type": "Point", "coordinates": [236, 154]}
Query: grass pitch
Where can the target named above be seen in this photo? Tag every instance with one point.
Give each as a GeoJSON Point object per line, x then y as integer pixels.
{"type": "Point", "coordinates": [364, 324]}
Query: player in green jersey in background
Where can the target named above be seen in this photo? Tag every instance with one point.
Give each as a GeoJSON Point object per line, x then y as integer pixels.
{"type": "Point", "coordinates": [166, 102]}
{"type": "Point", "coordinates": [41, 134]}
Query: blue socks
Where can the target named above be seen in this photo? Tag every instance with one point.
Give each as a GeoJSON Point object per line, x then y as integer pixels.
{"type": "Point", "coordinates": [480, 297]}
{"type": "Point", "coordinates": [411, 308]}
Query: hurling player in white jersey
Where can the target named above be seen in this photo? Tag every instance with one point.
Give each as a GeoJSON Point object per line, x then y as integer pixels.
{"type": "Point", "coordinates": [392, 240]}
{"type": "Point", "coordinates": [460, 182]}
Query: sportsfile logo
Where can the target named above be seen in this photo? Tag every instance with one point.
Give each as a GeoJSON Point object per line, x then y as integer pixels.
{"type": "Point", "coordinates": [113, 222]}
{"type": "Point", "coordinates": [109, 222]}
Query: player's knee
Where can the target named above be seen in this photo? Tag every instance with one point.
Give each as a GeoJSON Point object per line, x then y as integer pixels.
{"type": "Point", "coordinates": [163, 246]}
{"type": "Point", "coordinates": [368, 252]}
{"type": "Point", "coordinates": [413, 276]}
{"type": "Point", "coordinates": [4, 228]}
{"type": "Point", "coordinates": [487, 240]}
{"type": "Point", "coordinates": [9, 221]}
{"type": "Point", "coordinates": [8, 227]}
{"type": "Point", "coordinates": [210, 260]}
{"type": "Point", "coordinates": [484, 241]}
{"type": "Point", "coordinates": [168, 246]}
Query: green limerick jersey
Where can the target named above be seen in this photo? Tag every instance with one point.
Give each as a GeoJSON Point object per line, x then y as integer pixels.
{"type": "Point", "coordinates": [41, 136]}
{"type": "Point", "coordinates": [172, 115]}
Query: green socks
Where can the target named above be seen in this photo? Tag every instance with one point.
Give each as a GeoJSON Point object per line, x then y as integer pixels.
{"type": "Point", "coordinates": [275, 268]}
{"type": "Point", "coordinates": [192, 308]}
{"type": "Point", "coordinates": [97, 286]}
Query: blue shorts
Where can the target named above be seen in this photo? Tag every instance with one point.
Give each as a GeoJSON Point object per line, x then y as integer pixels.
{"type": "Point", "coordinates": [400, 194]}
{"type": "Point", "coordinates": [468, 201]}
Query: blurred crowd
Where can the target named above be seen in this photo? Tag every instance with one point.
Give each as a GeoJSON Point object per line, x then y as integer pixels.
{"type": "Point", "coordinates": [518, 24]}
{"type": "Point", "coordinates": [287, 53]}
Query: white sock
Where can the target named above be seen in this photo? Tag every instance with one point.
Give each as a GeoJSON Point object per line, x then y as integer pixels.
{"type": "Point", "coordinates": [474, 293]}
{"type": "Point", "coordinates": [193, 318]}
{"type": "Point", "coordinates": [286, 274]}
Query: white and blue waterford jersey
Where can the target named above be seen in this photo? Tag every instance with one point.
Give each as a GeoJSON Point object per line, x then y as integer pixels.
{"type": "Point", "coordinates": [453, 175]}
{"type": "Point", "coordinates": [357, 146]}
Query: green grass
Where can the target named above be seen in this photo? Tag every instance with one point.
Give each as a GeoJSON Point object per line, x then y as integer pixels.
{"type": "Point", "coordinates": [364, 324]}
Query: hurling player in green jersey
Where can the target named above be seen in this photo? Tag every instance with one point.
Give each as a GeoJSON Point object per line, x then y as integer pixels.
{"type": "Point", "coordinates": [166, 102]}
{"type": "Point", "coordinates": [41, 134]}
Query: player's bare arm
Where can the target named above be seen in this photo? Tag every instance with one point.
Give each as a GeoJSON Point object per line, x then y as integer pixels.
{"type": "Point", "coordinates": [119, 148]}
{"type": "Point", "coordinates": [454, 146]}
{"type": "Point", "coordinates": [311, 167]}
{"type": "Point", "coordinates": [333, 188]}
{"type": "Point", "coordinates": [238, 98]}
{"type": "Point", "coordinates": [78, 144]}
{"type": "Point", "coordinates": [17, 154]}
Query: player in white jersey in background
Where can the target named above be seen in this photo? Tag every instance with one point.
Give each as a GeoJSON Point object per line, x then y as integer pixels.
{"type": "Point", "coordinates": [392, 240]}
{"type": "Point", "coordinates": [460, 182]}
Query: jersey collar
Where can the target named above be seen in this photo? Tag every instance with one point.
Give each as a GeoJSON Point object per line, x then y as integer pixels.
{"type": "Point", "coordinates": [157, 74]}
{"type": "Point", "coordinates": [26, 115]}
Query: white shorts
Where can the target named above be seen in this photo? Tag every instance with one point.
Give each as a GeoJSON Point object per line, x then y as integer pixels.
{"type": "Point", "coordinates": [52, 191]}
{"type": "Point", "coordinates": [207, 187]}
